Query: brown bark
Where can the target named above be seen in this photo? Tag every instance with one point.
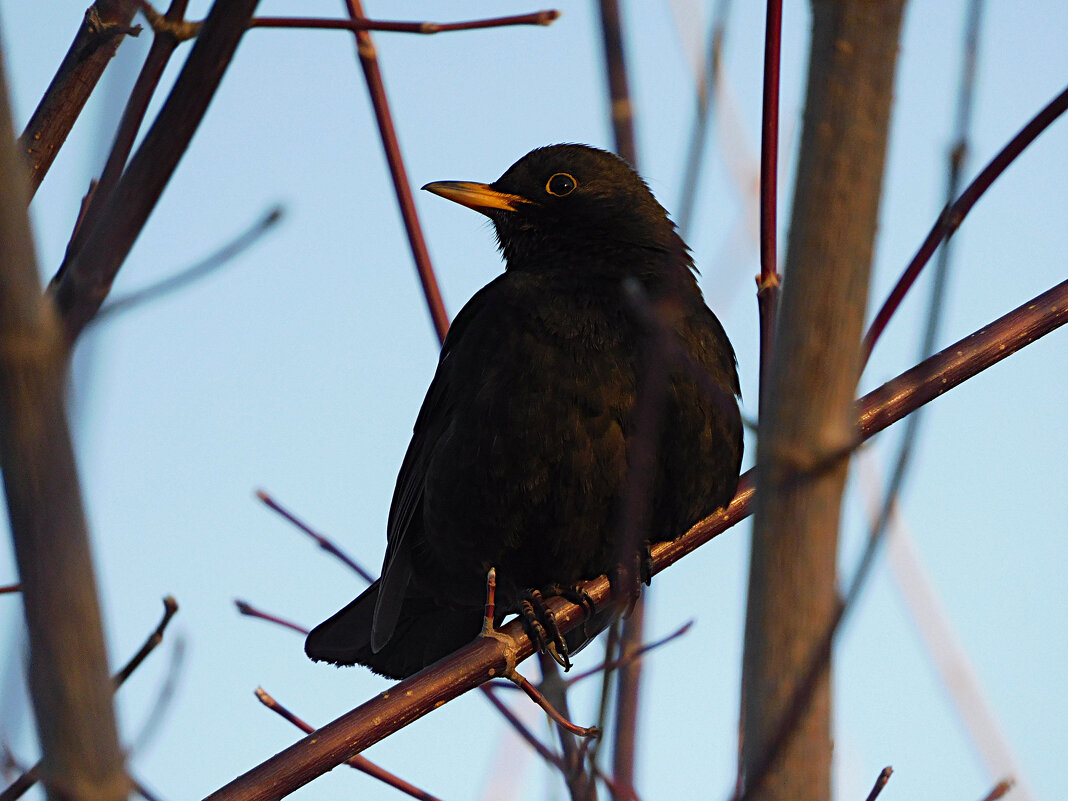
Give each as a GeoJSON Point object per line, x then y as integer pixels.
{"type": "Point", "coordinates": [809, 419]}
{"type": "Point", "coordinates": [84, 284]}
{"type": "Point", "coordinates": [103, 29]}
{"type": "Point", "coordinates": [69, 682]}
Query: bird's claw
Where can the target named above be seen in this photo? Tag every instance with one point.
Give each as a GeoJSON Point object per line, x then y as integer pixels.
{"type": "Point", "coordinates": [540, 624]}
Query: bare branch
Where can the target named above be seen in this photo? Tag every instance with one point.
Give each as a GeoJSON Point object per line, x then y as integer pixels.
{"type": "Point", "coordinates": [85, 284]}
{"type": "Point", "coordinates": [365, 49]}
{"type": "Point", "coordinates": [880, 782]}
{"type": "Point", "coordinates": [102, 30]}
{"type": "Point", "coordinates": [954, 215]}
{"type": "Point", "coordinates": [535, 18]}
{"type": "Point", "coordinates": [249, 610]}
{"type": "Point", "coordinates": [487, 658]}
{"type": "Point", "coordinates": [326, 544]}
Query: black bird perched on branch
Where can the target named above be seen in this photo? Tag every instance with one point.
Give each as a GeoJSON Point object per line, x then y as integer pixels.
{"type": "Point", "coordinates": [520, 453]}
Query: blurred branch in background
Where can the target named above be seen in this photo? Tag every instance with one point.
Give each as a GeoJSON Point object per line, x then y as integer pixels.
{"type": "Point", "coordinates": [806, 414]}
{"type": "Point", "coordinates": [30, 777]}
{"type": "Point", "coordinates": [943, 647]}
{"type": "Point", "coordinates": [192, 274]}
{"type": "Point", "coordinates": [68, 674]}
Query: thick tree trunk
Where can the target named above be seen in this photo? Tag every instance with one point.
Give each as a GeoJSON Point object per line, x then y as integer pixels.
{"type": "Point", "coordinates": [69, 681]}
{"type": "Point", "coordinates": [809, 421]}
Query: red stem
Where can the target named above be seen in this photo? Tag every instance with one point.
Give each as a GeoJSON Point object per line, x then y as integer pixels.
{"type": "Point", "coordinates": [952, 217]}
{"type": "Point", "coordinates": [535, 18]}
{"type": "Point", "coordinates": [365, 48]}
{"type": "Point", "coordinates": [768, 281]}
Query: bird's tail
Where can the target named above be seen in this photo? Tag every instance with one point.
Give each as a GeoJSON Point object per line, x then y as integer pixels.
{"type": "Point", "coordinates": [425, 632]}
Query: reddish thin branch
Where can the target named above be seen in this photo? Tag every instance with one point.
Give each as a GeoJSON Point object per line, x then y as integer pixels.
{"type": "Point", "coordinates": [768, 280]}
{"type": "Point", "coordinates": [365, 49]}
{"type": "Point", "coordinates": [769, 147]}
{"type": "Point", "coordinates": [1000, 790]}
{"type": "Point", "coordinates": [249, 610]}
{"type": "Point", "coordinates": [534, 18]}
{"type": "Point", "coordinates": [10, 588]}
{"type": "Point", "coordinates": [557, 717]}
{"type": "Point", "coordinates": [324, 543]}
{"type": "Point", "coordinates": [952, 217]}
{"type": "Point", "coordinates": [359, 762]}
{"type": "Point", "coordinates": [543, 750]}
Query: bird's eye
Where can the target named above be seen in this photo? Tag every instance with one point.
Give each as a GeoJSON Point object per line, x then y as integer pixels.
{"type": "Point", "coordinates": [561, 184]}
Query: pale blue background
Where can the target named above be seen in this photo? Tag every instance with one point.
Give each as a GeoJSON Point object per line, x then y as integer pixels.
{"type": "Point", "coordinates": [300, 368]}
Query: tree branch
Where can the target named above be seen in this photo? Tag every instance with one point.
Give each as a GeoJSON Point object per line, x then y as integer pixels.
{"type": "Point", "coordinates": [487, 658]}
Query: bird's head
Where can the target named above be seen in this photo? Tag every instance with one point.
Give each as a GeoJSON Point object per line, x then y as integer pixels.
{"type": "Point", "coordinates": [564, 207]}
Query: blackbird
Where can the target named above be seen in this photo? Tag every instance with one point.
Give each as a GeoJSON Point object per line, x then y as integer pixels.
{"type": "Point", "coordinates": [520, 451]}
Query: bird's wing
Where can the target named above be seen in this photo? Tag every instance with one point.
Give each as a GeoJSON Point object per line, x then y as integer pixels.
{"type": "Point", "coordinates": [404, 527]}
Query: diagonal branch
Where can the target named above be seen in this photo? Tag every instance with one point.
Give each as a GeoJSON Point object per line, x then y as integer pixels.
{"type": "Point", "coordinates": [86, 282]}
{"type": "Point", "coordinates": [489, 657]}
{"type": "Point", "coordinates": [102, 30]}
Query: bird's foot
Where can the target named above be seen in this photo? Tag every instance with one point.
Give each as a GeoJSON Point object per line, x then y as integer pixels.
{"type": "Point", "coordinates": [577, 595]}
{"type": "Point", "coordinates": [540, 623]}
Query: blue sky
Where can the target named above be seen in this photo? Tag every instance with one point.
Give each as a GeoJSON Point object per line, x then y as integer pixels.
{"type": "Point", "coordinates": [300, 368]}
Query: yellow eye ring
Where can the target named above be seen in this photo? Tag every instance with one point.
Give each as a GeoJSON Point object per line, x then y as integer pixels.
{"type": "Point", "coordinates": [561, 184]}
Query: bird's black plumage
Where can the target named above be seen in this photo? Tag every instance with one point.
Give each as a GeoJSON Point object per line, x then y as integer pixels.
{"type": "Point", "coordinates": [520, 451]}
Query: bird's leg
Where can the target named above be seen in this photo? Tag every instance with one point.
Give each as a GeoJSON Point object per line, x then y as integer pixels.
{"type": "Point", "coordinates": [540, 624]}
{"type": "Point", "coordinates": [491, 601]}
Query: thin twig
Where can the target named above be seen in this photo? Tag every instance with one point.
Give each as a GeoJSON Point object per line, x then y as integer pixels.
{"type": "Point", "coordinates": [193, 273]}
{"type": "Point", "coordinates": [521, 729]}
{"type": "Point", "coordinates": [249, 610]}
{"type": "Point", "coordinates": [556, 715]}
{"type": "Point", "coordinates": [1000, 790]}
{"type": "Point", "coordinates": [631, 656]}
{"type": "Point", "coordinates": [159, 55]}
{"type": "Point", "coordinates": [30, 777]}
{"type": "Point", "coordinates": [768, 280]}
{"type": "Point", "coordinates": [365, 49]}
{"type": "Point", "coordinates": [170, 609]}
{"type": "Point", "coordinates": [323, 542]}
{"type": "Point", "coordinates": [880, 783]}
{"type": "Point", "coordinates": [534, 18]}
{"type": "Point", "coordinates": [936, 304]}
{"type": "Point", "coordinates": [10, 588]}
{"type": "Point", "coordinates": [952, 217]}
{"type": "Point", "coordinates": [359, 761]}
